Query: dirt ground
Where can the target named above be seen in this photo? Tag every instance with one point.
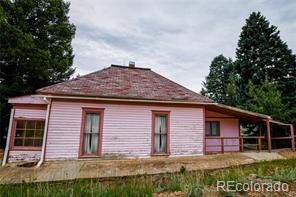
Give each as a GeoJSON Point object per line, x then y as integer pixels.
{"type": "Point", "coordinates": [101, 168]}
{"type": "Point", "coordinates": [287, 153]}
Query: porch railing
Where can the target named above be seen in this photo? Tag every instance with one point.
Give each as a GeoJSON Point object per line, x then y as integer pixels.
{"type": "Point", "coordinates": [240, 139]}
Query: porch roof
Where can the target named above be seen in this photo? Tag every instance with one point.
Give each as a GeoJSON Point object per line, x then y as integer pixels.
{"type": "Point", "coordinates": [237, 112]}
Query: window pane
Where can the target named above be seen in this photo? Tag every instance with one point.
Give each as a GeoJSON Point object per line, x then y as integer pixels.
{"type": "Point", "coordinates": [39, 133]}
{"type": "Point", "coordinates": [92, 123]}
{"type": "Point", "coordinates": [30, 125]}
{"type": "Point", "coordinates": [29, 133]}
{"type": "Point", "coordinates": [19, 133]}
{"type": "Point", "coordinates": [91, 143]}
{"type": "Point", "coordinates": [160, 124]}
{"type": "Point", "coordinates": [163, 143]}
{"type": "Point", "coordinates": [28, 142]}
{"type": "Point", "coordinates": [215, 128]}
{"type": "Point", "coordinates": [156, 143]}
{"type": "Point", "coordinates": [38, 142]}
{"type": "Point", "coordinates": [208, 128]}
{"type": "Point", "coordinates": [21, 124]}
{"type": "Point", "coordinates": [40, 125]}
{"type": "Point", "coordinates": [18, 142]}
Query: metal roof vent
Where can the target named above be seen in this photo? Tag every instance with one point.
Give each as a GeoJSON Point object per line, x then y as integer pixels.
{"type": "Point", "coordinates": [131, 64]}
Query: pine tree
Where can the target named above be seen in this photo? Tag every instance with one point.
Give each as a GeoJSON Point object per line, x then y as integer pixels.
{"type": "Point", "coordinates": [260, 53]}
{"type": "Point", "coordinates": [215, 84]}
{"type": "Point", "coordinates": [266, 99]}
{"type": "Point", "coordinates": [35, 47]}
{"type": "Point", "coordinates": [232, 96]}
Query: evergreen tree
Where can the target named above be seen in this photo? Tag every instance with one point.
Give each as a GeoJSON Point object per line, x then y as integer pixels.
{"type": "Point", "coordinates": [215, 84]}
{"type": "Point", "coordinates": [260, 53]}
{"type": "Point", "coordinates": [232, 96]}
{"type": "Point", "coordinates": [35, 47]}
{"type": "Point", "coordinates": [266, 99]}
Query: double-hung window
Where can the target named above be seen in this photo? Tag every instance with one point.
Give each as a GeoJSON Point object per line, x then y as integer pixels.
{"type": "Point", "coordinates": [91, 132]}
{"type": "Point", "coordinates": [160, 136]}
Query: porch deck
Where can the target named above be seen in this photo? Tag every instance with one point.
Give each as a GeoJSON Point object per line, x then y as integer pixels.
{"type": "Point", "coordinates": [104, 169]}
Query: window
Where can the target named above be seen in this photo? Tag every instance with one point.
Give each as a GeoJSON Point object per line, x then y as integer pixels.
{"type": "Point", "coordinates": [29, 133]}
{"type": "Point", "coordinates": [91, 133]}
{"type": "Point", "coordinates": [160, 132]}
{"type": "Point", "coordinates": [212, 128]}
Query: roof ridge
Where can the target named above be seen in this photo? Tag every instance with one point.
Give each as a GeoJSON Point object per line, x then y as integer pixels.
{"type": "Point", "coordinates": [121, 66]}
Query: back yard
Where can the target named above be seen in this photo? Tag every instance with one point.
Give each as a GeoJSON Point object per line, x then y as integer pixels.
{"type": "Point", "coordinates": [182, 183]}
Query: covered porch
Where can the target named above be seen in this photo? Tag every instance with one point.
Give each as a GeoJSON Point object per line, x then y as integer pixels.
{"type": "Point", "coordinates": [225, 131]}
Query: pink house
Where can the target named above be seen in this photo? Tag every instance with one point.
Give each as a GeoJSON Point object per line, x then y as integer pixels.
{"type": "Point", "coordinates": [123, 112]}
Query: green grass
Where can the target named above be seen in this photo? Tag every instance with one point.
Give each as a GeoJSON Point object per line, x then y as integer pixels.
{"type": "Point", "coordinates": [192, 183]}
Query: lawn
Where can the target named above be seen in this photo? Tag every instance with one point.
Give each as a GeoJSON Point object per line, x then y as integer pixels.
{"type": "Point", "coordinates": [197, 183]}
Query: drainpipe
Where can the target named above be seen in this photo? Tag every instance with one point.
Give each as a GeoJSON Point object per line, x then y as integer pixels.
{"type": "Point", "coordinates": [45, 132]}
{"type": "Point", "coordinates": [8, 137]}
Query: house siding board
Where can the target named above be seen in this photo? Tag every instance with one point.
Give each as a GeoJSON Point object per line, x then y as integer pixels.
{"type": "Point", "coordinates": [29, 99]}
{"type": "Point", "coordinates": [30, 113]}
{"type": "Point", "coordinates": [126, 130]}
{"type": "Point", "coordinates": [15, 156]}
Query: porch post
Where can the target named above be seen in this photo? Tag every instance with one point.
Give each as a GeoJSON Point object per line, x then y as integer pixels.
{"type": "Point", "coordinates": [259, 144]}
{"type": "Point", "coordinates": [241, 144]}
{"type": "Point", "coordinates": [268, 135]}
{"type": "Point", "coordinates": [222, 144]}
{"type": "Point", "coordinates": [292, 137]}
{"type": "Point", "coordinates": [6, 151]}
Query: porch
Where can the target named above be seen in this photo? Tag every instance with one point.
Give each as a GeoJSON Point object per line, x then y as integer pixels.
{"type": "Point", "coordinates": [224, 131]}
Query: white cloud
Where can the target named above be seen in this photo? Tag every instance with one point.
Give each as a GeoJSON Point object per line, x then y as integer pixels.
{"type": "Point", "coordinates": [177, 39]}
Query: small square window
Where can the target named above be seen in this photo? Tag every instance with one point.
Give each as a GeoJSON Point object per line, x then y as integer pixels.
{"type": "Point", "coordinates": [212, 128]}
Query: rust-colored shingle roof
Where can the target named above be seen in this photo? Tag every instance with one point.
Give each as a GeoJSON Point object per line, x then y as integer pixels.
{"type": "Point", "coordinates": [125, 82]}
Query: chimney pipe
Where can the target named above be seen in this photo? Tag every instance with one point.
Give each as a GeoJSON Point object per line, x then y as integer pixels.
{"type": "Point", "coordinates": [132, 64]}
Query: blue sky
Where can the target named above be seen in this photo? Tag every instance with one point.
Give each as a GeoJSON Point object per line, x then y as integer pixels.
{"type": "Point", "coordinates": [177, 39]}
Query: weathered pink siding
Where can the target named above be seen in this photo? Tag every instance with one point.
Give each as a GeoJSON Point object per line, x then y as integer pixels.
{"type": "Point", "coordinates": [28, 99]}
{"type": "Point", "coordinates": [229, 127]}
{"type": "Point", "coordinates": [24, 156]}
{"type": "Point", "coordinates": [30, 113]}
{"type": "Point", "coordinates": [126, 130]}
